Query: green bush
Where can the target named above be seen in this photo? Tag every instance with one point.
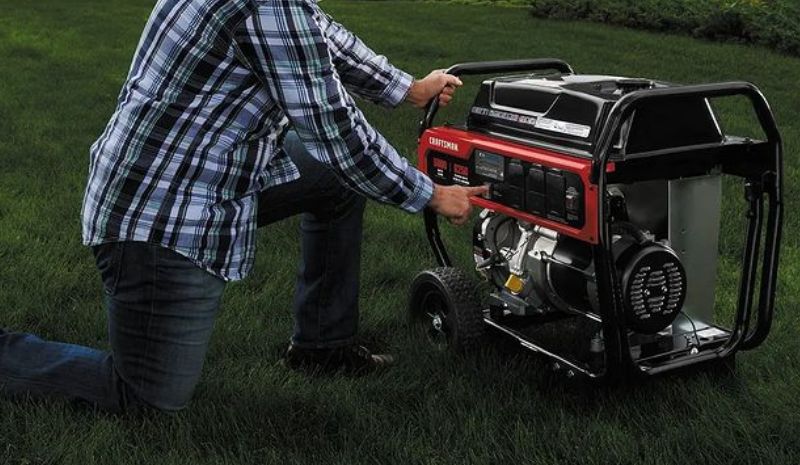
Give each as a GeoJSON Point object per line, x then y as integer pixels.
{"type": "Point", "coordinates": [774, 23]}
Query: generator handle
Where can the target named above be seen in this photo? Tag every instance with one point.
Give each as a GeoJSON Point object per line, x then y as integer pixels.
{"type": "Point", "coordinates": [770, 183]}
{"type": "Point", "coordinates": [487, 67]}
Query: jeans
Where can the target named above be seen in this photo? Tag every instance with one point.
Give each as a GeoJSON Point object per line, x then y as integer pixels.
{"type": "Point", "coordinates": [161, 307]}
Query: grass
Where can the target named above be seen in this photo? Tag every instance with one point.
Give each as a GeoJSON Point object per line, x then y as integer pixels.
{"type": "Point", "coordinates": [62, 65]}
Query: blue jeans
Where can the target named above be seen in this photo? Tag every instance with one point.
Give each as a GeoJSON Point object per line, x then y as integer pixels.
{"type": "Point", "coordinates": [161, 307]}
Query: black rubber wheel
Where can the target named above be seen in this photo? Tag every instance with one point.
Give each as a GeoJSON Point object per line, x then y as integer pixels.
{"type": "Point", "coordinates": [446, 301]}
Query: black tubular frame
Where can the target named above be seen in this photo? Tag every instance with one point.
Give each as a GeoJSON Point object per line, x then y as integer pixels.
{"type": "Point", "coordinates": [767, 183]}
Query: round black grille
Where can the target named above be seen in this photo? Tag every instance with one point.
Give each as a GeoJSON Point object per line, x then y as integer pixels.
{"type": "Point", "coordinates": [654, 286]}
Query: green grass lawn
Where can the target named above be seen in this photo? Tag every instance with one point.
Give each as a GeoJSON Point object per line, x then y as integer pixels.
{"type": "Point", "coordinates": [61, 66]}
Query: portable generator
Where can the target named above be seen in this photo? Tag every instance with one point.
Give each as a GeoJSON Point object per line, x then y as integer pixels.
{"type": "Point", "coordinates": [599, 237]}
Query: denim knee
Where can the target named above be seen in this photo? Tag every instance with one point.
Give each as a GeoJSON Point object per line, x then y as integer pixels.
{"type": "Point", "coordinates": [161, 316]}
{"type": "Point", "coordinates": [164, 398]}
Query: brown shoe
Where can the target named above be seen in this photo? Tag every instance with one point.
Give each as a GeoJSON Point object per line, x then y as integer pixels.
{"type": "Point", "coordinates": [353, 359]}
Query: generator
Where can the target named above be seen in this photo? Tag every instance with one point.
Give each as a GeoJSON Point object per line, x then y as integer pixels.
{"type": "Point", "coordinates": [597, 245]}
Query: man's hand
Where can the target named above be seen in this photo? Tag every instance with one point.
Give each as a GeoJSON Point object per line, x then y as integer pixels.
{"type": "Point", "coordinates": [436, 83]}
{"type": "Point", "coordinates": [452, 202]}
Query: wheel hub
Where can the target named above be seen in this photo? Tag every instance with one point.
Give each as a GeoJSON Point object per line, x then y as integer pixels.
{"type": "Point", "coordinates": [438, 324]}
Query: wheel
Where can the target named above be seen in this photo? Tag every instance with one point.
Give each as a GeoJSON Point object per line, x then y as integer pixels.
{"type": "Point", "coordinates": [447, 302]}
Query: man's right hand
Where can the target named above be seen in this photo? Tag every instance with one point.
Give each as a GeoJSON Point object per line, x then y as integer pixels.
{"type": "Point", "coordinates": [452, 202]}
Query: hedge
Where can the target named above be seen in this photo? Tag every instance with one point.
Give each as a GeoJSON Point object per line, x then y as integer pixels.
{"type": "Point", "coordinates": [774, 23]}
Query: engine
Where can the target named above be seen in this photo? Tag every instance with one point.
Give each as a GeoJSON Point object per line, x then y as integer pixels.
{"type": "Point", "coordinates": [537, 271]}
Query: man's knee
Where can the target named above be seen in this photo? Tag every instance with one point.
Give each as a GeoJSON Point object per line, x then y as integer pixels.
{"type": "Point", "coordinates": [165, 390]}
{"type": "Point", "coordinates": [165, 397]}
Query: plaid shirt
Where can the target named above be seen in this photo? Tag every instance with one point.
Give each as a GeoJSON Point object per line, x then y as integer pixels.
{"type": "Point", "coordinates": [197, 132]}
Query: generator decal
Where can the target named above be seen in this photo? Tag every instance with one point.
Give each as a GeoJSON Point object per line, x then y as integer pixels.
{"type": "Point", "coordinates": [461, 174]}
{"type": "Point", "coordinates": [444, 144]}
{"type": "Point", "coordinates": [441, 170]}
{"type": "Point", "coordinates": [447, 169]}
{"type": "Point", "coordinates": [506, 116]}
{"type": "Point", "coordinates": [489, 165]}
{"type": "Point", "coordinates": [563, 127]}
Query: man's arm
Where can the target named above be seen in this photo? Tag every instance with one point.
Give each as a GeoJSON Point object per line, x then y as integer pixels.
{"type": "Point", "coordinates": [363, 72]}
{"type": "Point", "coordinates": [371, 76]}
{"type": "Point", "coordinates": [285, 44]}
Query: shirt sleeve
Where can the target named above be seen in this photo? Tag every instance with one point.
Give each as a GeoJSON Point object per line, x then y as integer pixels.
{"type": "Point", "coordinates": [284, 43]}
{"type": "Point", "coordinates": [363, 72]}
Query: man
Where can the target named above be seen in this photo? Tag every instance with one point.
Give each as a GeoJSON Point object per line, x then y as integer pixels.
{"type": "Point", "coordinates": [234, 115]}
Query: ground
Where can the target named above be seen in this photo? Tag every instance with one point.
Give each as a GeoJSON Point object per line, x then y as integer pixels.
{"type": "Point", "coordinates": [62, 65]}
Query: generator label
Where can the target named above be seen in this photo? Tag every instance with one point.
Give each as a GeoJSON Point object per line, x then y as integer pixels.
{"type": "Point", "coordinates": [563, 127]}
{"type": "Point", "coordinates": [490, 165]}
{"type": "Point", "coordinates": [504, 115]}
{"type": "Point", "coordinates": [445, 144]}
{"type": "Point", "coordinates": [461, 174]}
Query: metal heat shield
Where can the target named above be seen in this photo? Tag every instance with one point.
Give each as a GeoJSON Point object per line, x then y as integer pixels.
{"type": "Point", "coordinates": [695, 206]}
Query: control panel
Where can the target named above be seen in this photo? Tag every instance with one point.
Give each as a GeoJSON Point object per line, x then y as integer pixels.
{"type": "Point", "coordinates": [546, 192]}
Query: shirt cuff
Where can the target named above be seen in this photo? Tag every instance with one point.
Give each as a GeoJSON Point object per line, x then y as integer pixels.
{"type": "Point", "coordinates": [422, 193]}
{"type": "Point", "coordinates": [398, 88]}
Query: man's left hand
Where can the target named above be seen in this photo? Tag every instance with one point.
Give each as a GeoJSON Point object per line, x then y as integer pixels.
{"type": "Point", "coordinates": [437, 83]}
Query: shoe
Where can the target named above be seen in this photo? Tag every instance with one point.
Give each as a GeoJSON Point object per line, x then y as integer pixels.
{"type": "Point", "coordinates": [353, 359]}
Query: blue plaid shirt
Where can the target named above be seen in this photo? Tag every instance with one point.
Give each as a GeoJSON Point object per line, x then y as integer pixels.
{"type": "Point", "coordinates": [197, 132]}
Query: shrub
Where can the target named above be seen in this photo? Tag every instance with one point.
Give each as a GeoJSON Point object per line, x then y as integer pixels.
{"type": "Point", "coordinates": [774, 23]}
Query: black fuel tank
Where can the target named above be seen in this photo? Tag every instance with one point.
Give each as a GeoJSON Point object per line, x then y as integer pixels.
{"type": "Point", "coordinates": [567, 112]}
